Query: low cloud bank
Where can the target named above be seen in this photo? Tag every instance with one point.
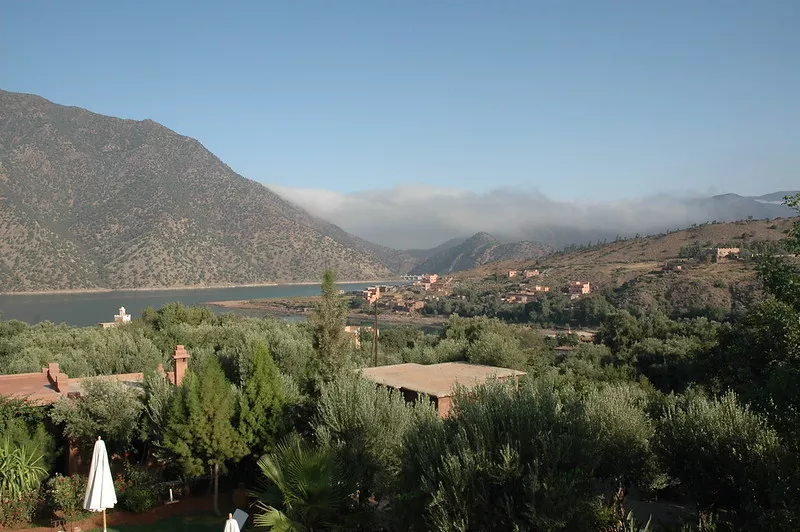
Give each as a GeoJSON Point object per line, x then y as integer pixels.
{"type": "Point", "coordinates": [409, 217]}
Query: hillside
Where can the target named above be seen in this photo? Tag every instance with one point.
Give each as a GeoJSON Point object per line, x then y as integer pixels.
{"type": "Point", "coordinates": [634, 268]}
{"type": "Point", "coordinates": [481, 248]}
{"type": "Point", "coordinates": [90, 201]}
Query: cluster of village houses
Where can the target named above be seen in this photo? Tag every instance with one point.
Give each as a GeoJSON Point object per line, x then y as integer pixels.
{"type": "Point", "coordinates": [528, 293]}
{"type": "Point", "coordinates": [409, 300]}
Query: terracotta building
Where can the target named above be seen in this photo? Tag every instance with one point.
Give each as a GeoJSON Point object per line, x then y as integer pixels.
{"type": "Point", "coordinates": [437, 382]}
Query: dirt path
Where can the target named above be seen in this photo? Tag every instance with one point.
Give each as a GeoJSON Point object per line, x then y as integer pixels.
{"type": "Point", "coordinates": [191, 505]}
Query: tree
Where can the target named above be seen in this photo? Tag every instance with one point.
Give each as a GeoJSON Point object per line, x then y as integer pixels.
{"type": "Point", "coordinates": [158, 396]}
{"type": "Point", "coordinates": [327, 323]}
{"type": "Point", "coordinates": [313, 489]}
{"type": "Point", "coordinates": [200, 432]}
{"type": "Point", "coordinates": [261, 402]}
{"type": "Point", "coordinates": [367, 425]}
{"type": "Point", "coordinates": [108, 408]}
{"type": "Point", "coordinates": [502, 461]}
{"type": "Point", "coordinates": [726, 454]}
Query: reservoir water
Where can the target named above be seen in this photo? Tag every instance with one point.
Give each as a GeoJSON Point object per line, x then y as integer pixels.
{"type": "Point", "coordinates": [91, 308]}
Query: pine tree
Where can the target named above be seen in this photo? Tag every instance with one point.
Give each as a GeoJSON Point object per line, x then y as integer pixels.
{"type": "Point", "coordinates": [261, 402]}
{"type": "Point", "coordinates": [328, 321]}
{"type": "Point", "coordinates": [199, 431]}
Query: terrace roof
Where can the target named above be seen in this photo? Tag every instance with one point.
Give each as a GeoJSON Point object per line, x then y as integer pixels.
{"type": "Point", "coordinates": [437, 380]}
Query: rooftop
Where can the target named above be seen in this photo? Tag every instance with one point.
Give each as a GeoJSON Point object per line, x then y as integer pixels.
{"type": "Point", "coordinates": [438, 380]}
{"type": "Point", "coordinates": [37, 388]}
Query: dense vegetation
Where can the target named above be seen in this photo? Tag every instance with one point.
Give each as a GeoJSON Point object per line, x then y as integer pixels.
{"type": "Point", "coordinates": [659, 413]}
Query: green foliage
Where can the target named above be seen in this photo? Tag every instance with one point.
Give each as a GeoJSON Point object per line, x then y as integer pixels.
{"type": "Point", "coordinates": [502, 461]}
{"type": "Point", "coordinates": [367, 425]}
{"type": "Point", "coordinates": [66, 494]}
{"type": "Point", "coordinates": [108, 408]}
{"type": "Point", "coordinates": [158, 396]}
{"type": "Point", "coordinates": [261, 402]}
{"type": "Point", "coordinates": [199, 430]}
{"type": "Point", "coordinates": [21, 470]}
{"type": "Point", "coordinates": [327, 324]}
{"type": "Point", "coordinates": [137, 490]}
{"type": "Point", "coordinates": [19, 511]}
{"type": "Point", "coordinates": [312, 488]}
{"type": "Point", "coordinates": [759, 358]}
{"type": "Point", "coordinates": [726, 454]}
{"type": "Point", "coordinates": [625, 432]}
{"type": "Point", "coordinates": [24, 425]}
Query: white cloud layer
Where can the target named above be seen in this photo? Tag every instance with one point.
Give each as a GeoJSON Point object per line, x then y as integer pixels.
{"type": "Point", "coordinates": [418, 216]}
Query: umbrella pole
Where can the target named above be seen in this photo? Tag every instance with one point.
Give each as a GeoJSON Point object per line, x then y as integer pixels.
{"type": "Point", "coordinates": [104, 520]}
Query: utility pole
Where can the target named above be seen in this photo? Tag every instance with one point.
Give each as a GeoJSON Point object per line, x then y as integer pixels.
{"type": "Point", "coordinates": [375, 337]}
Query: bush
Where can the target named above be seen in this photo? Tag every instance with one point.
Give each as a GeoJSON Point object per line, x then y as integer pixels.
{"type": "Point", "coordinates": [66, 494]}
{"type": "Point", "coordinates": [19, 510]}
{"type": "Point", "coordinates": [502, 461]}
{"type": "Point", "coordinates": [727, 455]}
{"type": "Point", "coordinates": [137, 491]}
{"type": "Point", "coordinates": [139, 499]}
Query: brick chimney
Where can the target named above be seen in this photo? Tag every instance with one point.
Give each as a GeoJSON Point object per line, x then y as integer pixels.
{"type": "Point", "coordinates": [59, 380]}
{"type": "Point", "coordinates": [181, 358]}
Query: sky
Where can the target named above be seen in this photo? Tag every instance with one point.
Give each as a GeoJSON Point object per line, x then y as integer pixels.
{"type": "Point", "coordinates": [575, 100]}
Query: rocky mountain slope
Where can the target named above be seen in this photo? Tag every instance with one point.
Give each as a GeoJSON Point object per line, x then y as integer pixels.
{"type": "Point", "coordinates": [481, 248]}
{"type": "Point", "coordinates": [90, 201]}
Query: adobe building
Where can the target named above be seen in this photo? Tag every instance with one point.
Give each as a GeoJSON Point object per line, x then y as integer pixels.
{"type": "Point", "coordinates": [47, 386]}
{"type": "Point", "coordinates": [723, 254]}
{"type": "Point", "coordinates": [437, 382]}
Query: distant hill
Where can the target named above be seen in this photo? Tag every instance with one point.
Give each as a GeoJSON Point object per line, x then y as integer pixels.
{"type": "Point", "coordinates": [480, 248]}
{"type": "Point", "coordinates": [424, 254]}
{"type": "Point", "coordinates": [634, 267]}
{"type": "Point", "coordinates": [90, 201]}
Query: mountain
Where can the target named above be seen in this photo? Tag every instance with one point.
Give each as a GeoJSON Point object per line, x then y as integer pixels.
{"type": "Point", "coordinates": [425, 254]}
{"type": "Point", "coordinates": [481, 248]}
{"type": "Point", "coordinates": [732, 207]}
{"type": "Point", "coordinates": [91, 201]}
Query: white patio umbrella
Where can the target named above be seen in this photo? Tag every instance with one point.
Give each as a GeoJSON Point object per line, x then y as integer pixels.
{"type": "Point", "coordinates": [231, 525]}
{"type": "Point", "coordinates": [100, 489]}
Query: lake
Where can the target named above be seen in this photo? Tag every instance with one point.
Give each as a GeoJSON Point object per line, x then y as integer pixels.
{"type": "Point", "coordinates": [91, 308]}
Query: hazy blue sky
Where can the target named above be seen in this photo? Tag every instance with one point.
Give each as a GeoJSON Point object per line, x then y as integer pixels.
{"type": "Point", "coordinates": [579, 99]}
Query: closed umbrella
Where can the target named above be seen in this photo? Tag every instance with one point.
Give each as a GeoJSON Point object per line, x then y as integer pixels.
{"type": "Point", "coordinates": [231, 525]}
{"type": "Point", "coordinates": [100, 489]}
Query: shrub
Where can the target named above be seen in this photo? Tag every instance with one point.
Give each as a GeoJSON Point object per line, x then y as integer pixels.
{"type": "Point", "coordinates": [726, 454]}
{"type": "Point", "coordinates": [502, 461]}
{"type": "Point", "coordinates": [137, 490]}
{"type": "Point", "coordinates": [66, 494]}
{"type": "Point", "coordinates": [19, 510]}
{"type": "Point", "coordinates": [21, 470]}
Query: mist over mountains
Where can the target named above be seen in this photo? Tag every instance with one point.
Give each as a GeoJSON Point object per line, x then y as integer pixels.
{"type": "Point", "coordinates": [423, 216]}
{"type": "Point", "coordinates": [92, 201]}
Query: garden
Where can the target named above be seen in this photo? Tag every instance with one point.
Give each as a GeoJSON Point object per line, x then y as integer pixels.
{"type": "Point", "coordinates": [694, 414]}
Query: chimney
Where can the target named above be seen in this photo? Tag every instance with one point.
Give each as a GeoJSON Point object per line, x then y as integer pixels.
{"type": "Point", "coordinates": [62, 383]}
{"type": "Point", "coordinates": [181, 358]}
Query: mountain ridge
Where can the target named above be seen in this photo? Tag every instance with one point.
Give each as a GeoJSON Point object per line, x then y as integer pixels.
{"type": "Point", "coordinates": [90, 201]}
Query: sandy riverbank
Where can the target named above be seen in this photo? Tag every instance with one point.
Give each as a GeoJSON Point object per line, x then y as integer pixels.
{"type": "Point", "coordinates": [176, 288]}
{"type": "Point", "coordinates": [302, 306]}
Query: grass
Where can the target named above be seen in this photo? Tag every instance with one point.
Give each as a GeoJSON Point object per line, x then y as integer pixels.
{"type": "Point", "coordinates": [179, 523]}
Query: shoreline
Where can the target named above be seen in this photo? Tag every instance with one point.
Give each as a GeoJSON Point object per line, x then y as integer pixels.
{"type": "Point", "coordinates": [178, 288]}
{"type": "Point", "coordinates": [283, 307]}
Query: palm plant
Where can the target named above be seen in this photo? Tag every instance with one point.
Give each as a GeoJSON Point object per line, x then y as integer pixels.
{"type": "Point", "coordinates": [21, 470]}
{"type": "Point", "coordinates": [313, 489]}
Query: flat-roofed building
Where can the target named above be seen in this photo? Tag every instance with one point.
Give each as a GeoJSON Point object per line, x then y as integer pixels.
{"type": "Point", "coordinates": [437, 381]}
